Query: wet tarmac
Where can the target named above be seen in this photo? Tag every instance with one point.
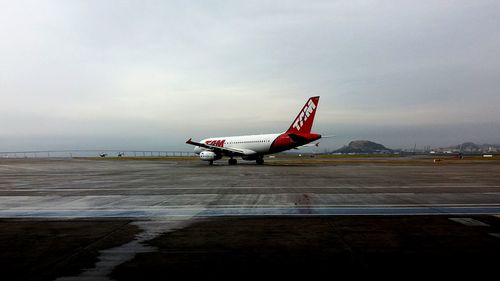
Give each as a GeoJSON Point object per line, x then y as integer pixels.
{"type": "Point", "coordinates": [178, 194]}
{"type": "Point", "coordinates": [145, 189]}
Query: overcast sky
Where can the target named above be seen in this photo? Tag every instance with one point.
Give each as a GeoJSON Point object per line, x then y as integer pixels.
{"type": "Point", "coordinates": [151, 74]}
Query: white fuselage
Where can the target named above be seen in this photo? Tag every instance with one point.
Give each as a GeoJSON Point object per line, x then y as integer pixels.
{"type": "Point", "coordinates": [261, 144]}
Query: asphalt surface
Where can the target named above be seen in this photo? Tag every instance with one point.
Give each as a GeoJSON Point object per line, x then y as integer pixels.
{"type": "Point", "coordinates": [184, 197]}
{"type": "Point", "coordinates": [145, 189]}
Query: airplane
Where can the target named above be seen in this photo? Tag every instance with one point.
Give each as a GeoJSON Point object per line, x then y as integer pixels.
{"type": "Point", "coordinates": [254, 147]}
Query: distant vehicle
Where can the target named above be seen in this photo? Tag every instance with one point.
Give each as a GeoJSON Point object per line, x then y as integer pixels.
{"type": "Point", "coordinates": [121, 154]}
{"type": "Point", "coordinates": [103, 154]}
{"type": "Point", "coordinates": [254, 147]}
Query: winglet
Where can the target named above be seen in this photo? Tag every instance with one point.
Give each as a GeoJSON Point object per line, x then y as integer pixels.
{"type": "Point", "coordinates": [189, 140]}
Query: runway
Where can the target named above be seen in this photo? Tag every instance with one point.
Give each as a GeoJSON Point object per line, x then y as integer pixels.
{"type": "Point", "coordinates": [154, 189]}
{"type": "Point", "coordinates": [223, 212]}
{"type": "Point", "coordinates": [185, 220]}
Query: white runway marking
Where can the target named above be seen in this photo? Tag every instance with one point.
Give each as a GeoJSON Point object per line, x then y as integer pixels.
{"type": "Point", "coordinates": [157, 206]}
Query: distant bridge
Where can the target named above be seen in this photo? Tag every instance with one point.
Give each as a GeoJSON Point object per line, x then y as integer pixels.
{"type": "Point", "coordinates": [93, 153]}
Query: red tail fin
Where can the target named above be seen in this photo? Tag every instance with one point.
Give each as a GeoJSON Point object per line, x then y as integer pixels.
{"type": "Point", "coordinates": [304, 121]}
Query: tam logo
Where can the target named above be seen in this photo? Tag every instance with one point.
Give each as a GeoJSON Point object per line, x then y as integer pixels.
{"type": "Point", "coordinates": [219, 143]}
{"type": "Point", "coordinates": [304, 115]}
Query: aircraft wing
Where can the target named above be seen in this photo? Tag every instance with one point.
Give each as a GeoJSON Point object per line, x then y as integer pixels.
{"type": "Point", "coordinates": [223, 150]}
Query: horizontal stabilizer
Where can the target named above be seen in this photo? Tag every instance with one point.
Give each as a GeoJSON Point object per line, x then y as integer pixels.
{"type": "Point", "coordinates": [298, 138]}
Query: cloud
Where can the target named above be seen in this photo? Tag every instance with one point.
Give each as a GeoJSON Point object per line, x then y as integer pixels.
{"type": "Point", "coordinates": [121, 69]}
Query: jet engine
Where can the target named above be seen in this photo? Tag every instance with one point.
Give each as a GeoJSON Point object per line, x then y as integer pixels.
{"type": "Point", "coordinates": [209, 156]}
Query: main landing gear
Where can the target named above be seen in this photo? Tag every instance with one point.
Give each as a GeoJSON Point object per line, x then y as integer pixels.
{"type": "Point", "coordinates": [232, 161]}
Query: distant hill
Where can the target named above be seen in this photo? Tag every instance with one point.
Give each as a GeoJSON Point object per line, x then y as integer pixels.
{"type": "Point", "coordinates": [363, 146]}
{"type": "Point", "coordinates": [470, 147]}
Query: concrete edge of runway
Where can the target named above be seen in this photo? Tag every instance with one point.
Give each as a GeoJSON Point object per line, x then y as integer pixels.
{"type": "Point", "coordinates": [222, 212]}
